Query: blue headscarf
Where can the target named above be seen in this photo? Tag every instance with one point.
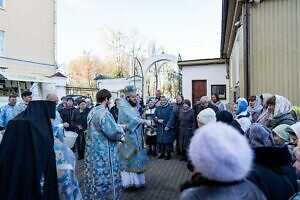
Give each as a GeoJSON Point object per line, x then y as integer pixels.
{"type": "Point", "coordinates": [242, 105]}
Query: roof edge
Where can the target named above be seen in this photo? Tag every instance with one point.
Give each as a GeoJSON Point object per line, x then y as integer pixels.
{"type": "Point", "coordinates": [208, 61]}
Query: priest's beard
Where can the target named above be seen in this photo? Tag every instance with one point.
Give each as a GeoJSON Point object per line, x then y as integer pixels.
{"type": "Point", "coordinates": [132, 103]}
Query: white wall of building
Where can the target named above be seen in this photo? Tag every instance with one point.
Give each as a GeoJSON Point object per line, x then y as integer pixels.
{"type": "Point", "coordinates": [60, 86]}
{"type": "Point", "coordinates": [214, 74]}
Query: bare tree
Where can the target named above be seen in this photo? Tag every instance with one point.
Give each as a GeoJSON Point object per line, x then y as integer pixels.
{"type": "Point", "coordinates": [123, 46]}
{"type": "Point", "coordinates": [83, 70]}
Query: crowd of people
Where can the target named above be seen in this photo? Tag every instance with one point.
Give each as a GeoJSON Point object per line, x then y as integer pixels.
{"type": "Point", "coordinates": [251, 149]}
{"type": "Point", "coordinates": [248, 152]}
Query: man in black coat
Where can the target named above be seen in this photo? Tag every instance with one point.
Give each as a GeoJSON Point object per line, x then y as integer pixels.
{"type": "Point", "coordinates": [66, 113]}
{"type": "Point", "coordinates": [115, 110]}
{"type": "Point", "coordinates": [79, 123]}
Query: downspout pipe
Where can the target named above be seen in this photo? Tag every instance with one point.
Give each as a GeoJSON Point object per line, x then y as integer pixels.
{"type": "Point", "coordinates": [247, 49]}
{"type": "Point", "coordinates": [223, 27]}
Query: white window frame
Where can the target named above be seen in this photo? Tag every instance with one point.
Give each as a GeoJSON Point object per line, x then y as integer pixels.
{"type": "Point", "coordinates": [3, 45]}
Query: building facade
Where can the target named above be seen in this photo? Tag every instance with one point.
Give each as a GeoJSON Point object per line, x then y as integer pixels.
{"type": "Point", "coordinates": [28, 48]}
{"type": "Point", "coordinates": [204, 77]}
{"type": "Point", "coordinates": [261, 41]}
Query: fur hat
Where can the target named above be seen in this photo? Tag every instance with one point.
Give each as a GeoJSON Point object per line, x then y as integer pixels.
{"type": "Point", "coordinates": [129, 90]}
{"type": "Point", "coordinates": [207, 116]}
{"type": "Point", "coordinates": [220, 153]}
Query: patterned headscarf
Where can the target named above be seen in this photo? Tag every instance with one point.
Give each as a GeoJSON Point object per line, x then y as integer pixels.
{"type": "Point", "coordinates": [265, 98]}
{"type": "Point", "coordinates": [282, 105]}
{"type": "Point", "coordinates": [296, 129]}
{"type": "Point", "coordinates": [257, 106]}
{"type": "Point", "coordinates": [258, 135]}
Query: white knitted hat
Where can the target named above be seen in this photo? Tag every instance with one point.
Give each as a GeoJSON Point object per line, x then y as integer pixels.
{"type": "Point", "coordinates": [207, 116]}
{"type": "Point", "coordinates": [220, 153]}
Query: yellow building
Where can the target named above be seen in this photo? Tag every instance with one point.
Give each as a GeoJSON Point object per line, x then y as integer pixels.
{"type": "Point", "coordinates": [261, 42]}
{"type": "Point", "coordinates": [28, 48]}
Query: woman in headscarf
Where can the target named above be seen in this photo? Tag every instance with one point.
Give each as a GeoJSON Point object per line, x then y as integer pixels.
{"type": "Point", "coordinates": [255, 108]}
{"type": "Point", "coordinates": [272, 171]}
{"type": "Point", "coordinates": [226, 117]}
{"type": "Point", "coordinates": [217, 102]}
{"type": "Point", "coordinates": [258, 136]}
{"type": "Point", "coordinates": [294, 131]}
{"type": "Point", "coordinates": [281, 135]}
{"type": "Point", "coordinates": [243, 117]}
{"type": "Point", "coordinates": [279, 108]}
{"type": "Point", "coordinates": [264, 116]}
{"type": "Point", "coordinates": [204, 103]}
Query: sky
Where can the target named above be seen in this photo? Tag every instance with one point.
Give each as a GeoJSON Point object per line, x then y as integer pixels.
{"type": "Point", "coordinates": [191, 28]}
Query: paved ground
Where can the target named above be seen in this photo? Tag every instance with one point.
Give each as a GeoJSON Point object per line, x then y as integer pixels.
{"type": "Point", "coordinates": [163, 179]}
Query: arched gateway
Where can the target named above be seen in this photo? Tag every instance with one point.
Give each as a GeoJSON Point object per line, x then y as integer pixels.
{"type": "Point", "coordinates": [163, 57]}
{"type": "Point", "coordinates": [151, 61]}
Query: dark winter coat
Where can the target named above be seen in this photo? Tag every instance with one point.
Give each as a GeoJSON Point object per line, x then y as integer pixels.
{"type": "Point", "coordinates": [218, 191]}
{"type": "Point", "coordinates": [60, 107]}
{"type": "Point", "coordinates": [186, 128]}
{"type": "Point", "coordinates": [166, 113]}
{"type": "Point", "coordinates": [66, 116]}
{"type": "Point", "coordinates": [79, 118]}
{"type": "Point", "coordinates": [273, 172]}
{"type": "Point", "coordinates": [286, 118]}
{"type": "Point", "coordinates": [176, 108]}
{"type": "Point", "coordinates": [115, 112]}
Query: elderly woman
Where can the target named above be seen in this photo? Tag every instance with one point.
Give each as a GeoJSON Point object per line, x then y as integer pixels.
{"type": "Point", "coordinates": [219, 169]}
{"type": "Point", "coordinates": [204, 103]}
{"type": "Point", "coordinates": [217, 102]}
{"type": "Point", "coordinates": [272, 171]}
{"type": "Point", "coordinates": [243, 116]}
{"type": "Point", "coordinates": [281, 135]}
{"type": "Point", "coordinates": [279, 108]}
